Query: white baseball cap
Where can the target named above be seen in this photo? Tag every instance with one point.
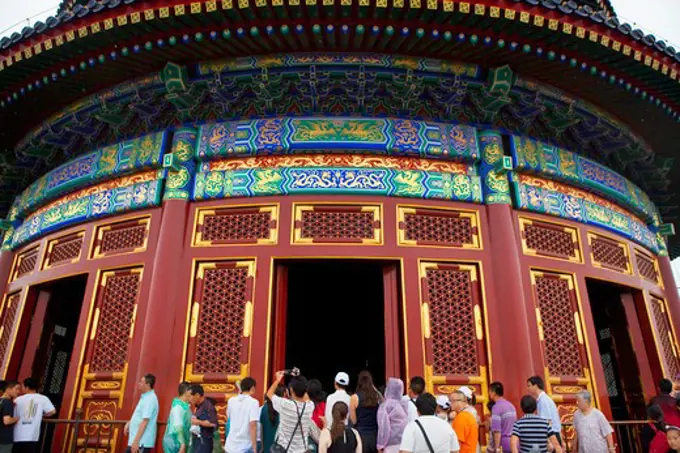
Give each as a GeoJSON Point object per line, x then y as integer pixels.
{"type": "Point", "coordinates": [443, 402]}
{"type": "Point", "coordinates": [467, 391]}
{"type": "Point", "coordinates": [342, 378]}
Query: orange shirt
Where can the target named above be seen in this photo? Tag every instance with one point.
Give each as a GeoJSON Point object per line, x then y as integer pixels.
{"type": "Point", "coordinates": [467, 431]}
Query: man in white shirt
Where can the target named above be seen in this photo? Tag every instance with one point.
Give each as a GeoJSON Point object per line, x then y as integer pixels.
{"type": "Point", "coordinates": [30, 408]}
{"type": "Point", "coordinates": [243, 414]}
{"type": "Point", "coordinates": [428, 433]}
{"type": "Point", "coordinates": [340, 394]}
{"type": "Point", "coordinates": [416, 387]}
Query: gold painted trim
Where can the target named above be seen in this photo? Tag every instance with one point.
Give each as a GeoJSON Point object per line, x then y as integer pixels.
{"type": "Point", "coordinates": [525, 220]}
{"type": "Point", "coordinates": [472, 214]}
{"type": "Point", "coordinates": [623, 245]}
{"type": "Point", "coordinates": [659, 278]}
{"type": "Point", "coordinates": [23, 294]}
{"type": "Point", "coordinates": [201, 213]}
{"type": "Point", "coordinates": [650, 299]}
{"type": "Point", "coordinates": [375, 208]}
{"type": "Point", "coordinates": [19, 257]}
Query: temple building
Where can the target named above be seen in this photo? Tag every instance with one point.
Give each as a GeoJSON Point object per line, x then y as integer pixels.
{"type": "Point", "coordinates": [468, 191]}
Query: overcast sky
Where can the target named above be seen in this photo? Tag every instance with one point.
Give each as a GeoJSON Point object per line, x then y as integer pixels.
{"type": "Point", "coordinates": [659, 17]}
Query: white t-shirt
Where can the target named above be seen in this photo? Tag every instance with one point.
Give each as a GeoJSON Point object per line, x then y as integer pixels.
{"type": "Point", "coordinates": [30, 409]}
{"type": "Point", "coordinates": [441, 435]}
{"type": "Point", "coordinates": [412, 410]}
{"type": "Point", "coordinates": [338, 395]}
{"type": "Point", "coordinates": [241, 410]}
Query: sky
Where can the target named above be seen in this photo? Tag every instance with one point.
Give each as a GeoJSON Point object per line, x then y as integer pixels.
{"type": "Point", "coordinates": [659, 17]}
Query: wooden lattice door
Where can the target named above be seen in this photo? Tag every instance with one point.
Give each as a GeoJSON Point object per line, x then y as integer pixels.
{"type": "Point", "coordinates": [560, 330]}
{"type": "Point", "coordinates": [107, 354]}
{"type": "Point", "coordinates": [220, 326]}
{"type": "Point", "coordinates": [453, 329]}
{"type": "Point", "coordinates": [664, 337]}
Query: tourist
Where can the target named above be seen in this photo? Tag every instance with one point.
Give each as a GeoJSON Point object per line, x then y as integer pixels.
{"type": "Point", "coordinates": [363, 411]}
{"type": "Point", "coordinates": [667, 403]}
{"type": "Point", "coordinates": [673, 438]}
{"type": "Point", "coordinates": [427, 433]}
{"type": "Point", "coordinates": [176, 438]}
{"type": "Point", "coordinates": [30, 407]}
{"type": "Point", "coordinates": [503, 417]}
{"type": "Point", "coordinates": [653, 434]}
{"type": "Point", "coordinates": [464, 423]}
{"type": "Point", "coordinates": [340, 438]}
{"type": "Point", "coordinates": [10, 391]}
{"type": "Point", "coordinates": [295, 415]}
{"type": "Point", "coordinates": [593, 433]}
{"type": "Point", "coordinates": [141, 429]}
{"type": "Point", "coordinates": [243, 413]}
{"type": "Point", "coordinates": [444, 408]}
{"type": "Point", "coordinates": [392, 417]}
{"type": "Point", "coordinates": [416, 387]}
{"type": "Point", "coordinates": [269, 419]}
{"type": "Point", "coordinates": [205, 419]}
{"type": "Point", "coordinates": [532, 433]}
{"type": "Point", "coordinates": [472, 402]}
{"type": "Point", "coordinates": [547, 408]}
{"type": "Point", "coordinates": [340, 394]}
{"type": "Point", "coordinates": [318, 397]}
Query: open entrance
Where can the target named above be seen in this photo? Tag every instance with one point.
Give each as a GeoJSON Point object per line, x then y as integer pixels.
{"type": "Point", "coordinates": [614, 311]}
{"type": "Point", "coordinates": [52, 334]}
{"type": "Point", "coordinates": [337, 315]}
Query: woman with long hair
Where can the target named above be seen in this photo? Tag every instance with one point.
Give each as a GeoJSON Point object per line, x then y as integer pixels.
{"type": "Point", "coordinates": [363, 411]}
{"type": "Point", "coordinates": [392, 417]}
{"type": "Point", "coordinates": [338, 437]}
{"type": "Point", "coordinates": [269, 420]}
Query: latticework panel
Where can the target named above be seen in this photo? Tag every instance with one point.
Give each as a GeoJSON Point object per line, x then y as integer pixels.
{"type": "Point", "coordinates": [647, 267]}
{"type": "Point", "coordinates": [116, 311]}
{"type": "Point", "coordinates": [438, 227]}
{"type": "Point", "coordinates": [25, 263]}
{"type": "Point", "coordinates": [666, 341]}
{"type": "Point", "coordinates": [121, 237]}
{"type": "Point", "coordinates": [224, 319]}
{"type": "Point", "coordinates": [9, 318]}
{"type": "Point", "coordinates": [609, 253]}
{"type": "Point", "coordinates": [237, 225]}
{"type": "Point", "coordinates": [560, 333]}
{"type": "Point", "coordinates": [337, 224]}
{"type": "Point", "coordinates": [548, 239]}
{"type": "Point", "coordinates": [453, 316]}
{"type": "Point", "coordinates": [64, 250]}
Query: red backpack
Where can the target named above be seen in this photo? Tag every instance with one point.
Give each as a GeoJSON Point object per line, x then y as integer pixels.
{"type": "Point", "coordinates": [659, 443]}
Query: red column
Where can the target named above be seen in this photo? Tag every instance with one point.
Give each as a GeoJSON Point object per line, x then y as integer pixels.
{"type": "Point", "coordinates": [509, 307]}
{"type": "Point", "coordinates": [167, 281]}
{"type": "Point", "coordinates": [671, 288]}
{"type": "Point", "coordinates": [6, 260]}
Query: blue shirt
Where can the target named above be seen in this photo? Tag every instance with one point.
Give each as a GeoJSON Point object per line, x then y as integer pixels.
{"type": "Point", "coordinates": [147, 407]}
{"type": "Point", "coordinates": [548, 410]}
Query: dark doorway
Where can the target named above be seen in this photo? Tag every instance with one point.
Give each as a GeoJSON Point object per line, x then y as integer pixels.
{"type": "Point", "coordinates": [53, 332]}
{"type": "Point", "coordinates": [621, 370]}
{"type": "Point", "coordinates": [335, 319]}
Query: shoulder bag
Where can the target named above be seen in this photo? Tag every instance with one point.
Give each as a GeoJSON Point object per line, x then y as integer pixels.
{"type": "Point", "coordinates": [427, 439]}
{"type": "Point", "coordinates": [277, 447]}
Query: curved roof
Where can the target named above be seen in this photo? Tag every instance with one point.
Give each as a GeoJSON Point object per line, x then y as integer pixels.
{"type": "Point", "coordinates": [567, 44]}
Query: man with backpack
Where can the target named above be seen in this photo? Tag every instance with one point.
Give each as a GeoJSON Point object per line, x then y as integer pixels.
{"type": "Point", "coordinates": [295, 416]}
{"type": "Point", "coordinates": [428, 433]}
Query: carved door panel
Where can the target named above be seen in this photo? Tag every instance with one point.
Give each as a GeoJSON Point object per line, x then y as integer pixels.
{"type": "Point", "coordinates": [10, 316]}
{"type": "Point", "coordinates": [220, 325]}
{"type": "Point", "coordinates": [664, 336]}
{"type": "Point", "coordinates": [560, 330]}
{"type": "Point", "coordinates": [453, 329]}
{"type": "Point", "coordinates": [107, 353]}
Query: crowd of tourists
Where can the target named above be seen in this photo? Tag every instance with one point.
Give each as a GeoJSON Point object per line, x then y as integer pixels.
{"type": "Point", "coordinates": [300, 418]}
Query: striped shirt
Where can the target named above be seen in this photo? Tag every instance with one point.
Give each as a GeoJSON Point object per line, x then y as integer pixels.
{"type": "Point", "coordinates": [288, 419]}
{"type": "Point", "coordinates": [533, 432]}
